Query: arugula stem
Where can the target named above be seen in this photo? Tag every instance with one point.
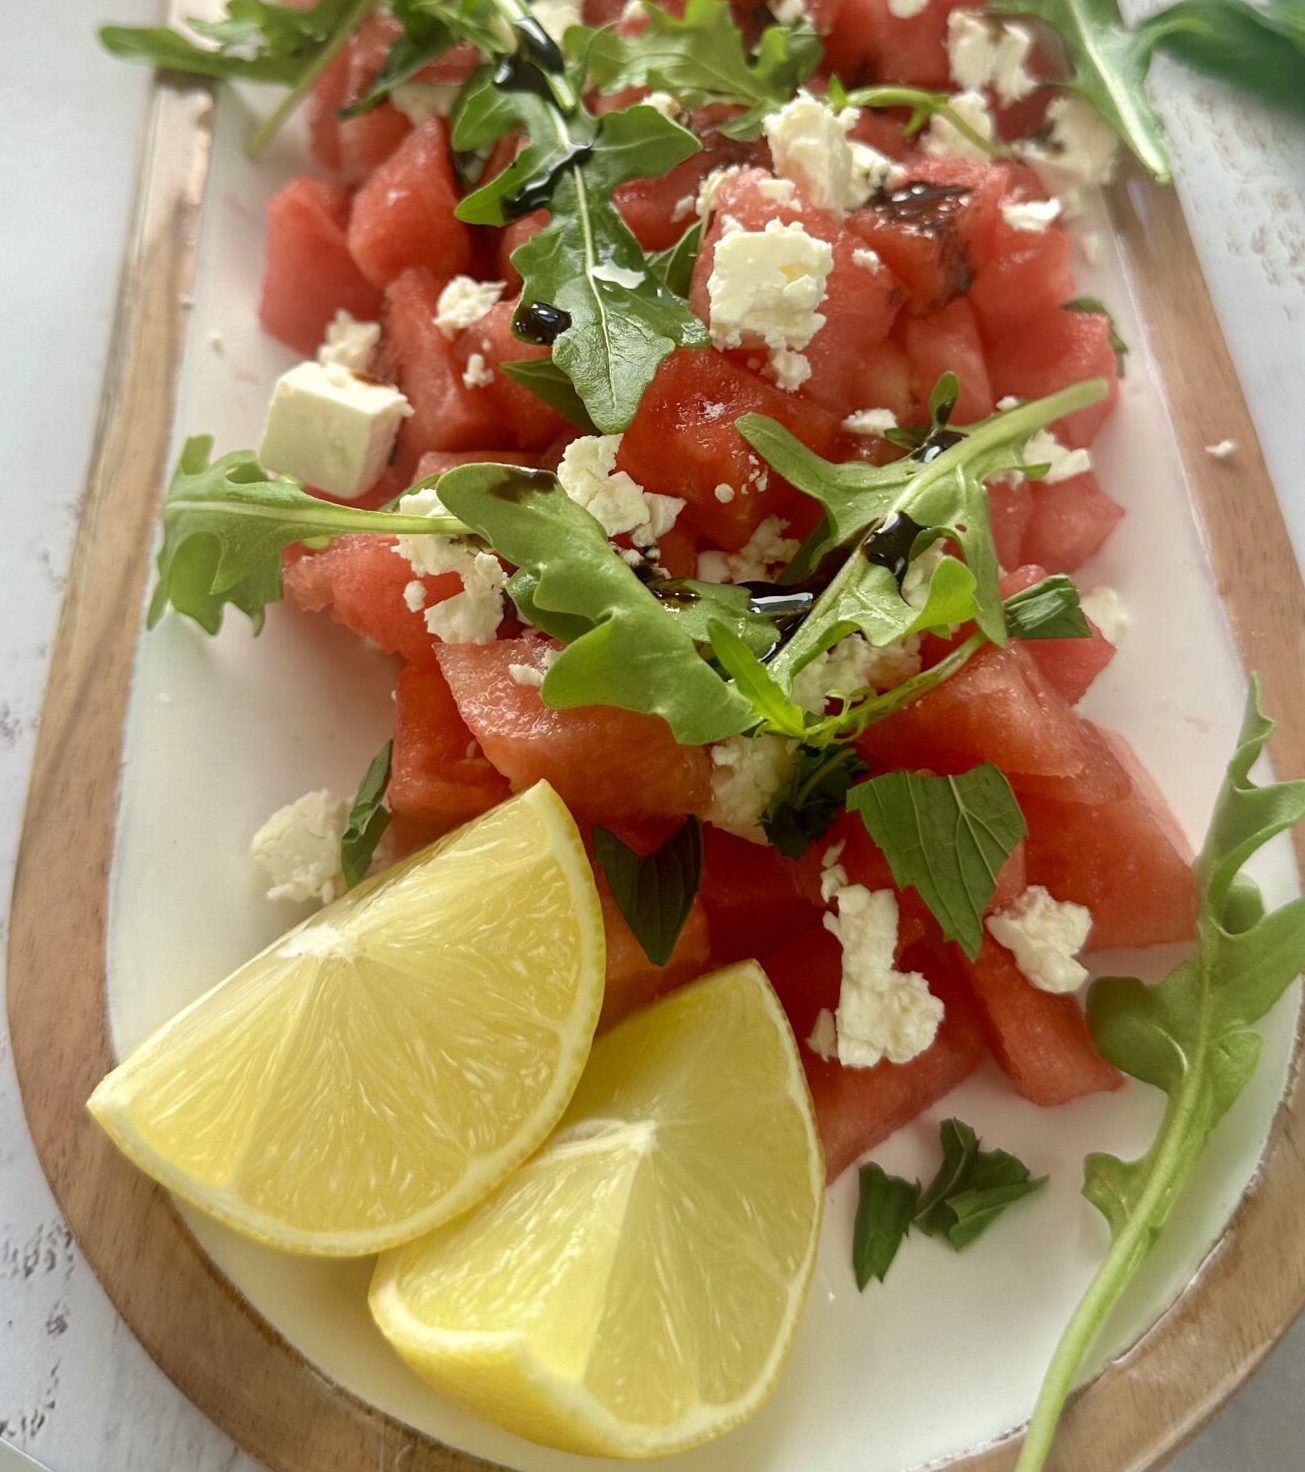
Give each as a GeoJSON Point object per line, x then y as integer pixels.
{"type": "Point", "coordinates": [271, 125]}
{"type": "Point", "coordinates": [923, 105]}
{"type": "Point", "coordinates": [341, 519]}
{"type": "Point", "coordinates": [851, 723]}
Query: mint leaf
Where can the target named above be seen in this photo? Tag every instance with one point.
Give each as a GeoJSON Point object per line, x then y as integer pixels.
{"type": "Point", "coordinates": [945, 837]}
{"type": "Point", "coordinates": [1049, 609]}
{"type": "Point", "coordinates": [623, 647]}
{"type": "Point", "coordinates": [883, 1221]}
{"type": "Point", "coordinates": [368, 818]}
{"type": "Point", "coordinates": [1191, 1036]}
{"type": "Point", "coordinates": [804, 809]}
{"type": "Point", "coordinates": [546, 381]}
{"type": "Point", "coordinates": [960, 1145]}
{"type": "Point", "coordinates": [655, 891]}
{"type": "Point", "coordinates": [1092, 306]}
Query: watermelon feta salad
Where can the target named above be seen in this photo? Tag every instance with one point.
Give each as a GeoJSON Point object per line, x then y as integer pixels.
{"type": "Point", "coordinates": [697, 404]}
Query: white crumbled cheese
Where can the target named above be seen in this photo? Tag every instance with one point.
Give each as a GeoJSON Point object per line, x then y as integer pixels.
{"type": "Point", "coordinates": [789, 369]}
{"type": "Point", "coordinates": [724, 493]}
{"type": "Point", "coordinates": [746, 772]}
{"type": "Point", "coordinates": [710, 188]}
{"type": "Point", "coordinates": [867, 259]}
{"type": "Point", "coordinates": [478, 373]}
{"type": "Point", "coordinates": [989, 53]}
{"type": "Point", "coordinates": [299, 847]}
{"type": "Point", "coordinates": [1043, 448]}
{"type": "Point", "coordinates": [767, 548]}
{"type": "Point", "coordinates": [465, 301]}
{"type": "Point", "coordinates": [1078, 151]}
{"type": "Point", "coordinates": [1044, 935]}
{"type": "Point", "coordinates": [851, 665]}
{"type": "Point", "coordinates": [1030, 215]}
{"type": "Point", "coordinates": [758, 476]}
{"type": "Point", "coordinates": [766, 285]}
{"type": "Point", "coordinates": [1105, 608]}
{"type": "Point", "coordinates": [533, 675]}
{"type": "Point", "coordinates": [778, 191]}
{"type": "Point", "coordinates": [426, 555]}
{"type": "Point", "coordinates": [870, 422]}
{"type": "Point", "coordinates": [808, 144]}
{"type": "Point", "coordinates": [915, 585]}
{"type": "Point", "coordinates": [907, 9]}
{"type": "Point", "coordinates": [941, 139]}
{"type": "Point", "coordinates": [684, 207]}
{"type": "Point", "coordinates": [823, 1041]}
{"type": "Point", "coordinates": [789, 12]}
{"type": "Point", "coordinates": [557, 16]}
{"type": "Point", "coordinates": [588, 474]}
{"type": "Point", "coordinates": [348, 342]}
{"type": "Point", "coordinates": [833, 876]}
{"type": "Point", "coordinates": [1222, 449]}
{"type": "Point", "coordinates": [871, 172]}
{"type": "Point", "coordinates": [1008, 401]}
{"type": "Point", "coordinates": [421, 101]}
{"type": "Point", "coordinates": [633, 10]}
{"type": "Point", "coordinates": [617, 275]}
{"type": "Point", "coordinates": [414, 595]}
{"type": "Point", "coordinates": [473, 615]}
{"type": "Point", "coordinates": [664, 103]}
{"type": "Point", "coordinates": [330, 428]}
{"type": "Point", "coordinates": [882, 1012]}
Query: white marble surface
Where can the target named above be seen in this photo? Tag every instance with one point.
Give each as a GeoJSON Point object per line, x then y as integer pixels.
{"type": "Point", "coordinates": [75, 1388]}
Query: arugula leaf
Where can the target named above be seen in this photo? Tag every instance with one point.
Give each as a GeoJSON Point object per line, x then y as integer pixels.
{"type": "Point", "coordinates": [623, 648]}
{"type": "Point", "coordinates": [673, 267]}
{"type": "Point", "coordinates": [883, 1221]}
{"type": "Point", "coordinates": [621, 319]}
{"type": "Point", "coordinates": [426, 36]}
{"type": "Point", "coordinates": [546, 381]}
{"type": "Point", "coordinates": [655, 891]}
{"type": "Point", "coordinates": [701, 60]}
{"type": "Point", "coordinates": [1093, 306]}
{"type": "Point", "coordinates": [772, 705]}
{"type": "Point", "coordinates": [225, 523]}
{"type": "Point", "coordinates": [1049, 609]}
{"type": "Point", "coordinates": [696, 606]}
{"type": "Point", "coordinates": [1191, 1036]}
{"type": "Point", "coordinates": [368, 818]}
{"type": "Point", "coordinates": [804, 809]}
{"type": "Point", "coordinates": [1260, 48]}
{"type": "Point", "coordinates": [946, 837]}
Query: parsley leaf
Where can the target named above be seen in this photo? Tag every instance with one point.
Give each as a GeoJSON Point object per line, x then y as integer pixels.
{"type": "Point", "coordinates": [1191, 1036]}
{"type": "Point", "coordinates": [655, 891]}
{"type": "Point", "coordinates": [946, 837]}
{"type": "Point", "coordinates": [368, 818]}
{"type": "Point", "coordinates": [623, 648]}
{"type": "Point", "coordinates": [1092, 306]}
{"type": "Point", "coordinates": [883, 1221]}
{"type": "Point", "coordinates": [804, 809]}
{"type": "Point", "coordinates": [701, 59]}
{"type": "Point", "coordinates": [225, 523]}
{"type": "Point", "coordinates": [1049, 609]}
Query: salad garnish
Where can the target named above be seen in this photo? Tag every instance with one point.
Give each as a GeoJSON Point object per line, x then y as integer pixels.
{"type": "Point", "coordinates": [654, 891]}
{"type": "Point", "coordinates": [369, 818]}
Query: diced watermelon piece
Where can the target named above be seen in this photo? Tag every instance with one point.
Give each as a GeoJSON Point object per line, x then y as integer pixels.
{"type": "Point", "coordinates": [512, 239]}
{"type": "Point", "coordinates": [309, 274]}
{"type": "Point", "coordinates": [751, 896]}
{"type": "Point", "coordinates": [1026, 275]}
{"type": "Point", "coordinates": [355, 146]}
{"type": "Point", "coordinates": [436, 462]}
{"type": "Point", "coordinates": [677, 551]}
{"type": "Point", "coordinates": [446, 414]}
{"type": "Point", "coordinates": [403, 215]}
{"type": "Point", "coordinates": [858, 1108]}
{"type": "Point", "coordinates": [882, 130]}
{"type": "Point", "coordinates": [654, 209]}
{"type": "Point", "coordinates": [604, 763]}
{"type": "Point", "coordinates": [885, 381]}
{"type": "Point", "coordinates": [633, 981]}
{"type": "Point", "coordinates": [525, 416]}
{"type": "Point", "coordinates": [359, 581]}
{"type": "Point", "coordinates": [868, 43]}
{"type": "Point", "coordinates": [1010, 504]}
{"type": "Point", "coordinates": [1068, 522]}
{"type": "Point", "coordinates": [1070, 665]}
{"type": "Point", "coordinates": [328, 96]}
{"type": "Point", "coordinates": [948, 341]}
{"type": "Point", "coordinates": [1127, 859]}
{"type": "Point", "coordinates": [692, 403]}
{"type": "Point", "coordinates": [1051, 351]}
{"type": "Point", "coordinates": [1040, 1039]}
{"type": "Point", "coordinates": [434, 783]}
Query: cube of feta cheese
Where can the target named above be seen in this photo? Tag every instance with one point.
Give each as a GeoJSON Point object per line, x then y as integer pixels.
{"type": "Point", "coordinates": [465, 301]}
{"type": "Point", "coordinates": [299, 848]}
{"type": "Point", "coordinates": [766, 285]}
{"type": "Point", "coordinates": [808, 143]}
{"type": "Point", "coordinates": [746, 772]}
{"type": "Point", "coordinates": [349, 343]}
{"type": "Point", "coordinates": [331, 429]}
{"type": "Point", "coordinates": [1044, 935]}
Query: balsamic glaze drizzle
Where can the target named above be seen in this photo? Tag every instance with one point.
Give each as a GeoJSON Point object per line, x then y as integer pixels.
{"type": "Point", "coordinates": [540, 322]}
{"type": "Point", "coordinates": [889, 544]}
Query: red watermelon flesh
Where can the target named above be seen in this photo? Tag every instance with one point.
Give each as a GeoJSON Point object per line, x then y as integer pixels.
{"type": "Point", "coordinates": [1027, 274]}
{"type": "Point", "coordinates": [527, 418]}
{"type": "Point", "coordinates": [858, 1108]}
{"type": "Point", "coordinates": [605, 764]}
{"type": "Point", "coordinates": [403, 215]}
{"type": "Point", "coordinates": [309, 274]}
{"type": "Point", "coordinates": [1127, 859]}
{"type": "Point", "coordinates": [438, 778]}
{"type": "Point", "coordinates": [751, 896]}
{"type": "Point", "coordinates": [947, 341]}
{"type": "Point", "coordinates": [633, 981]}
{"type": "Point", "coordinates": [355, 146]}
{"type": "Point", "coordinates": [868, 43]}
{"type": "Point", "coordinates": [655, 210]}
{"type": "Point", "coordinates": [1070, 665]}
{"type": "Point", "coordinates": [1068, 522]}
{"type": "Point", "coordinates": [1010, 504]}
{"type": "Point", "coordinates": [436, 462]}
{"type": "Point", "coordinates": [1051, 351]}
{"type": "Point", "coordinates": [1040, 1039]}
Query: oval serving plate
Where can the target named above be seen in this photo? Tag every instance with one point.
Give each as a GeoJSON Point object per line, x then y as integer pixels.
{"type": "Point", "coordinates": [133, 894]}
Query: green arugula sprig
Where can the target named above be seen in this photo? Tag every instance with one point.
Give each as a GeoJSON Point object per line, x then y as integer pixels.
{"type": "Point", "coordinates": [430, 28]}
{"type": "Point", "coordinates": [923, 105]}
{"type": "Point", "coordinates": [368, 818]}
{"type": "Point", "coordinates": [1191, 1036]}
{"type": "Point", "coordinates": [655, 891]}
{"type": "Point", "coordinates": [701, 59]}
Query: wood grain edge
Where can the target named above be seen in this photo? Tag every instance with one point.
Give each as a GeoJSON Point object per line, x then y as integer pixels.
{"type": "Point", "coordinates": [222, 1354]}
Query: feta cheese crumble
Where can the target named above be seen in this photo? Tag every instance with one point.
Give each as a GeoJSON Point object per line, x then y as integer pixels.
{"type": "Point", "coordinates": [870, 422]}
{"type": "Point", "coordinates": [299, 848]}
{"type": "Point", "coordinates": [330, 428]}
{"type": "Point", "coordinates": [766, 549]}
{"type": "Point", "coordinates": [915, 585]}
{"type": "Point", "coordinates": [746, 772]}
{"type": "Point", "coordinates": [808, 143]}
{"type": "Point", "coordinates": [465, 301]}
{"type": "Point", "coordinates": [421, 101]}
{"type": "Point", "coordinates": [557, 16]}
{"type": "Point", "coordinates": [414, 595]}
{"type": "Point", "coordinates": [943, 140]}
{"type": "Point", "coordinates": [473, 615]}
{"type": "Point", "coordinates": [907, 9]}
{"type": "Point", "coordinates": [989, 53]}
{"type": "Point", "coordinates": [1222, 449]}
{"type": "Point", "coordinates": [348, 342]}
{"type": "Point", "coordinates": [588, 474]}
{"type": "Point", "coordinates": [478, 373]}
{"type": "Point", "coordinates": [882, 1012]}
{"type": "Point", "coordinates": [789, 12]}
{"type": "Point", "coordinates": [1043, 448]}
{"type": "Point", "coordinates": [1030, 215]}
{"type": "Point", "coordinates": [533, 675]}
{"type": "Point", "coordinates": [871, 172]}
{"type": "Point", "coordinates": [1105, 608]}
{"type": "Point", "coordinates": [851, 665]}
{"type": "Point", "coordinates": [823, 1041]}
{"type": "Point", "coordinates": [724, 493]}
{"type": "Point", "coordinates": [1044, 935]}
{"type": "Point", "coordinates": [766, 285]}
{"type": "Point", "coordinates": [1078, 151]}
{"type": "Point", "coordinates": [866, 258]}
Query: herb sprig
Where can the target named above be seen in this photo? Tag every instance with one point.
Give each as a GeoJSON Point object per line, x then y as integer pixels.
{"type": "Point", "coordinates": [655, 891]}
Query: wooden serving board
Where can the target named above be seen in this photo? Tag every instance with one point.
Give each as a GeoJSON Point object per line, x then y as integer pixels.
{"type": "Point", "coordinates": [203, 1334]}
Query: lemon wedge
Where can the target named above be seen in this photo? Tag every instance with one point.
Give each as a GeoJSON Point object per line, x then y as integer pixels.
{"type": "Point", "coordinates": [388, 1063]}
{"type": "Point", "coordinates": [635, 1288]}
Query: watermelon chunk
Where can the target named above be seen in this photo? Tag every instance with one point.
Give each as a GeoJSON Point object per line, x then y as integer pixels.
{"type": "Point", "coordinates": [858, 1108]}
{"type": "Point", "coordinates": [1041, 1040]}
{"type": "Point", "coordinates": [403, 215]}
{"type": "Point", "coordinates": [1070, 665]}
{"type": "Point", "coordinates": [1010, 505]}
{"type": "Point", "coordinates": [868, 43]}
{"type": "Point", "coordinates": [633, 981]}
{"type": "Point", "coordinates": [355, 146]}
{"type": "Point", "coordinates": [1050, 351]}
{"type": "Point", "coordinates": [309, 274]}
{"type": "Point", "coordinates": [605, 764]}
{"type": "Point", "coordinates": [751, 895]}
{"type": "Point", "coordinates": [948, 341]}
{"type": "Point", "coordinates": [524, 415]}
{"type": "Point", "coordinates": [1068, 522]}
{"type": "Point", "coordinates": [1026, 274]}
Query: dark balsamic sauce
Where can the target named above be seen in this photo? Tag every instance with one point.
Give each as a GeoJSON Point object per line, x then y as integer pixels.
{"type": "Point", "coordinates": [889, 544]}
{"type": "Point", "coordinates": [519, 479]}
{"type": "Point", "coordinates": [537, 46]}
{"type": "Point", "coordinates": [923, 207]}
{"type": "Point", "coordinates": [540, 322]}
{"type": "Point", "coordinates": [938, 441]}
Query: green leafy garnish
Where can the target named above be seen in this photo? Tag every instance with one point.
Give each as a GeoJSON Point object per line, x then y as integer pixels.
{"type": "Point", "coordinates": [1049, 609]}
{"type": "Point", "coordinates": [623, 649]}
{"type": "Point", "coordinates": [923, 104]}
{"type": "Point", "coordinates": [655, 891]}
{"type": "Point", "coordinates": [1260, 48]}
{"type": "Point", "coordinates": [225, 523]}
{"type": "Point", "coordinates": [1092, 306]}
{"type": "Point", "coordinates": [622, 319]}
{"type": "Point", "coordinates": [1191, 1036]}
{"type": "Point", "coordinates": [945, 837]}
{"type": "Point", "coordinates": [368, 818]}
{"type": "Point", "coordinates": [546, 381]}
{"type": "Point", "coordinates": [970, 1191]}
{"type": "Point", "coordinates": [804, 809]}
{"type": "Point", "coordinates": [701, 59]}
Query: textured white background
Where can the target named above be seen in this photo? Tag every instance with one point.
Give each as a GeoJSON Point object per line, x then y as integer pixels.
{"type": "Point", "coordinates": [75, 1388]}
